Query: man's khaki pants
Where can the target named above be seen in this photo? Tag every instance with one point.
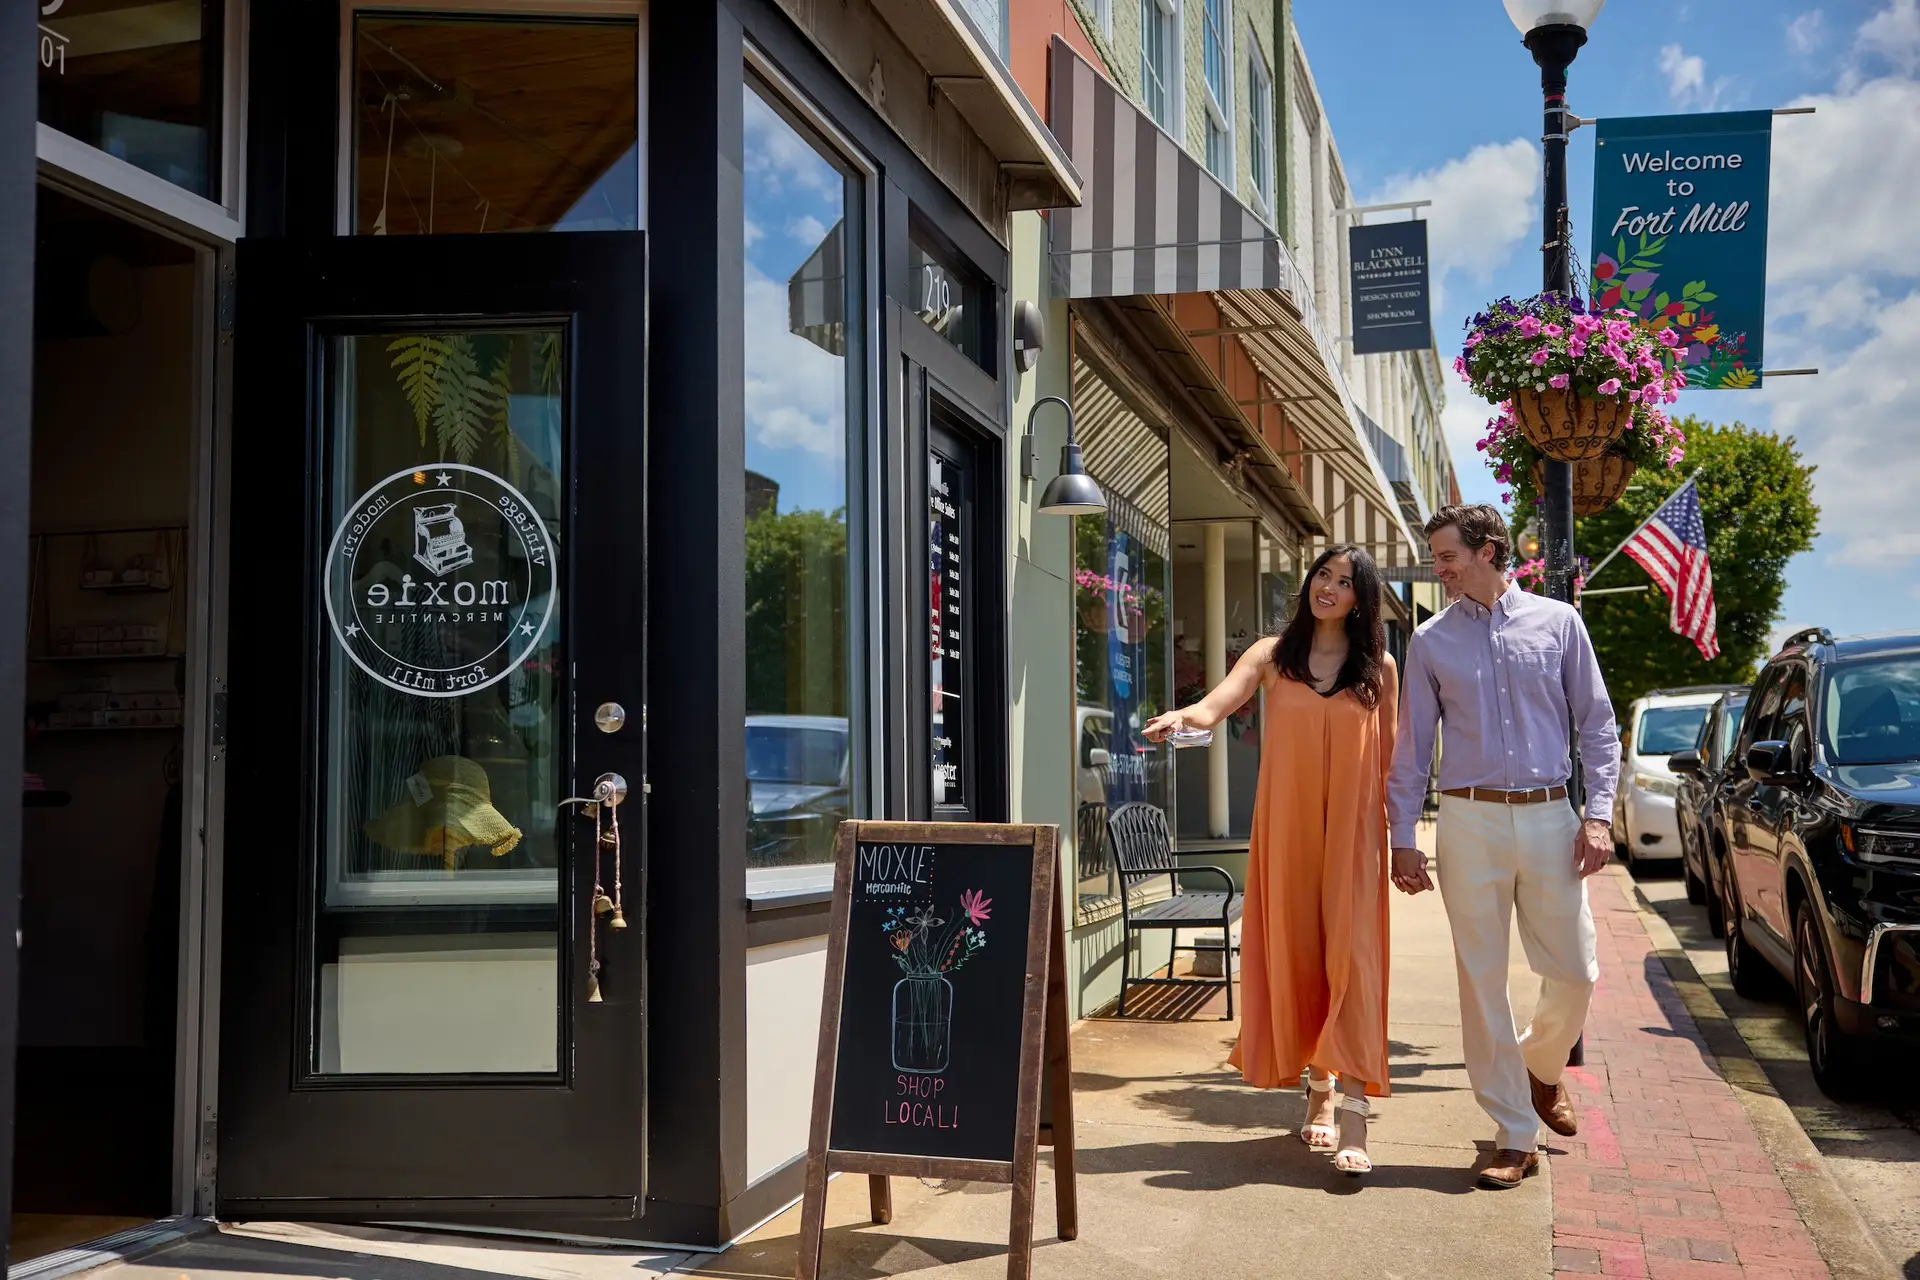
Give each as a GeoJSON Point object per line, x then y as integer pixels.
{"type": "Point", "coordinates": [1496, 859]}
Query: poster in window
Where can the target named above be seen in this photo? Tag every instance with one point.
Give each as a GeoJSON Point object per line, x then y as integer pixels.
{"type": "Point", "coordinates": [946, 574]}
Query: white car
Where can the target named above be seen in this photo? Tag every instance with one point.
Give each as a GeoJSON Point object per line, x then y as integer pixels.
{"type": "Point", "coordinates": [1658, 725]}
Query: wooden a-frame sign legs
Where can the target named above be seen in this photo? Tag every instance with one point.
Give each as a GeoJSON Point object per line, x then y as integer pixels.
{"type": "Point", "coordinates": [1044, 1110]}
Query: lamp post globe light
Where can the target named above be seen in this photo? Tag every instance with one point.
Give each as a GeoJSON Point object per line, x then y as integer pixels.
{"type": "Point", "coordinates": [1553, 31]}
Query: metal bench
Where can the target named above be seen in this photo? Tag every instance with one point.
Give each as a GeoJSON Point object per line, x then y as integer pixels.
{"type": "Point", "coordinates": [1142, 848]}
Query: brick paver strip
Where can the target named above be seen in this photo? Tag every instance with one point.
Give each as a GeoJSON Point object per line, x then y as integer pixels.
{"type": "Point", "coordinates": [1667, 1180]}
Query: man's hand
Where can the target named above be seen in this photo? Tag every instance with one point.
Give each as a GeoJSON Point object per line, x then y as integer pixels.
{"type": "Point", "coordinates": [1593, 846]}
{"type": "Point", "coordinates": [1410, 871]}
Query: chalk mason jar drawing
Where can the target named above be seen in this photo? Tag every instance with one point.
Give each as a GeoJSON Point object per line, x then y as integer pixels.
{"type": "Point", "coordinates": [922, 1023]}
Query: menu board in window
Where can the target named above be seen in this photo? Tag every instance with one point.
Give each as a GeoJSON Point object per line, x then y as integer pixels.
{"type": "Point", "coordinates": [948, 627]}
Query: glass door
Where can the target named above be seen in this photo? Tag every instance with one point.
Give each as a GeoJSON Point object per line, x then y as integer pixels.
{"type": "Point", "coordinates": [433, 983]}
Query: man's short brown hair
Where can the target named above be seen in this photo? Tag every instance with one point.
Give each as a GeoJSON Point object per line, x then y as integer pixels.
{"type": "Point", "coordinates": [1479, 526]}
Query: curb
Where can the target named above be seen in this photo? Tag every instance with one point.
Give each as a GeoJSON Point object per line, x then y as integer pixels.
{"type": "Point", "coordinates": [1838, 1230]}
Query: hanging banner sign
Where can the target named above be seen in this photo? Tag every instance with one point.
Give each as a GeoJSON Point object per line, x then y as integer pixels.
{"type": "Point", "coordinates": [1392, 301]}
{"type": "Point", "coordinates": [440, 581]}
{"type": "Point", "coordinates": [1680, 235]}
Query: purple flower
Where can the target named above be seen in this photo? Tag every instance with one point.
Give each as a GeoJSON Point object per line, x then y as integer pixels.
{"type": "Point", "coordinates": [1558, 382]}
{"type": "Point", "coordinates": [1611, 387]}
{"type": "Point", "coordinates": [1696, 353]}
{"type": "Point", "coordinates": [1640, 280]}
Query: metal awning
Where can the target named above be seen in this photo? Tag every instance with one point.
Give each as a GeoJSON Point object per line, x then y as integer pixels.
{"type": "Point", "coordinates": [1154, 221]}
{"type": "Point", "coordinates": [971, 75]}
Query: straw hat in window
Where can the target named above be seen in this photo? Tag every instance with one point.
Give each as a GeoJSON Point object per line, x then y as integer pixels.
{"type": "Point", "coordinates": [446, 807]}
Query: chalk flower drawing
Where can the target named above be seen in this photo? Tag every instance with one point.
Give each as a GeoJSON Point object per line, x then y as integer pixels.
{"type": "Point", "coordinates": [927, 948]}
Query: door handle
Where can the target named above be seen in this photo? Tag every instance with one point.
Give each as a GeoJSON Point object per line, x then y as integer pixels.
{"type": "Point", "coordinates": [609, 790]}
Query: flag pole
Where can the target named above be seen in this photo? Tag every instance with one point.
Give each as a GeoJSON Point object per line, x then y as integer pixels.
{"type": "Point", "coordinates": [1595, 571]}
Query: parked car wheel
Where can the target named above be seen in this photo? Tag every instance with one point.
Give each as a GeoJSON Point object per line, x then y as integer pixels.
{"type": "Point", "coordinates": [1831, 1053]}
{"type": "Point", "coordinates": [1746, 968]}
{"type": "Point", "coordinates": [1696, 888]}
{"type": "Point", "coordinates": [1716, 903]}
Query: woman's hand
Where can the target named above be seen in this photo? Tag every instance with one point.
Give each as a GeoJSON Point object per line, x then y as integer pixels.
{"type": "Point", "coordinates": [1170, 722]}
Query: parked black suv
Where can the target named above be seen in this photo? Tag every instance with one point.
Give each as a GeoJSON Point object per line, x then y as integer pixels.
{"type": "Point", "coordinates": [1819, 843]}
{"type": "Point", "coordinates": [1699, 773]}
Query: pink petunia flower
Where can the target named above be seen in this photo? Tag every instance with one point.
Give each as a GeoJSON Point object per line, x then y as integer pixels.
{"type": "Point", "coordinates": [1540, 357]}
{"type": "Point", "coordinates": [1558, 381]}
{"type": "Point", "coordinates": [1577, 347]}
{"type": "Point", "coordinates": [1669, 338]}
{"type": "Point", "coordinates": [1611, 387]}
{"type": "Point", "coordinates": [1553, 331]}
{"type": "Point", "coordinates": [1529, 326]}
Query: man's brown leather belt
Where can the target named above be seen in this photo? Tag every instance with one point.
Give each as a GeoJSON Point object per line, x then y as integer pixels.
{"type": "Point", "coordinates": [1489, 795]}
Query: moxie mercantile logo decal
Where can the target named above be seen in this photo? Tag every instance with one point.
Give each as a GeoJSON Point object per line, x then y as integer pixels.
{"type": "Point", "coordinates": [440, 581]}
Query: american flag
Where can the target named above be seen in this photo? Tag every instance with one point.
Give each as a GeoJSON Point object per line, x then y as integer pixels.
{"type": "Point", "coordinates": [1672, 547]}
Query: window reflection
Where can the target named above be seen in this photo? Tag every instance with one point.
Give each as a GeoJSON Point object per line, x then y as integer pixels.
{"type": "Point", "coordinates": [139, 79]}
{"type": "Point", "coordinates": [1122, 641]}
{"type": "Point", "coordinates": [466, 125]}
{"type": "Point", "coordinates": [801, 316]}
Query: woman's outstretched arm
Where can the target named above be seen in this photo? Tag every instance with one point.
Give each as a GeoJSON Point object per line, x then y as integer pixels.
{"type": "Point", "coordinates": [1226, 698]}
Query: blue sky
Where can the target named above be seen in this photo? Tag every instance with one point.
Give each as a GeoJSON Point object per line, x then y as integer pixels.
{"type": "Point", "coordinates": [1442, 102]}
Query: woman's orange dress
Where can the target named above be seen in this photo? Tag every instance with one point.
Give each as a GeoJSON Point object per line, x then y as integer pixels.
{"type": "Point", "coordinates": [1313, 936]}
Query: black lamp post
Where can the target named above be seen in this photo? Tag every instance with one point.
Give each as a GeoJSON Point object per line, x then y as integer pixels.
{"type": "Point", "coordinates": [1553, 31]}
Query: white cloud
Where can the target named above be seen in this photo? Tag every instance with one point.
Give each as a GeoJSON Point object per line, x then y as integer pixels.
{"type": "Point", "coordinates": [1483, 209]}
{"type": "Point", "coordinates": [1687, 79]}
{"type": "Point", "coordinates": [795, 391]}
{"type": "Point", "coordinates": [1806, 32]}
{"type": "Point", "coordinates": [779, 157]}
{"type": "Point", "coordinates": [752, 233]}
{"type": "Point", "coordinates": [1846, 182]}
{"type": "Point", "coordinates": [807, 230]}
{"type": "Point", "coordinates": [1893, 34]}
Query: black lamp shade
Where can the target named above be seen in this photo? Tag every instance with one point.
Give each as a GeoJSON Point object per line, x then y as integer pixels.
{"type": "Point", "coordinates": [1072, 492]}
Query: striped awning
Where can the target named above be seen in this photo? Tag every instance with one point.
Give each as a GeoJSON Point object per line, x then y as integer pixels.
{"type": "Point", "coordinates": [1154, 221]}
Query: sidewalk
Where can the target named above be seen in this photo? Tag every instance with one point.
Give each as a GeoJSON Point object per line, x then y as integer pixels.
{"type": "Point", "coordinates": [1668, 1178]}
{"type": "Point", "coordinates": [1184, 1171]}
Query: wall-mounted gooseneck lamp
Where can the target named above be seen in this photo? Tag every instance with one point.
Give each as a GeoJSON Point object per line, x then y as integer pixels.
{"type": "Point", "coordinates": [1072, 492]}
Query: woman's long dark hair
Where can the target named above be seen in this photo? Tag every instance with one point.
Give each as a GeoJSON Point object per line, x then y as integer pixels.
{"type": "Point", "coordinates": [1366, 634]}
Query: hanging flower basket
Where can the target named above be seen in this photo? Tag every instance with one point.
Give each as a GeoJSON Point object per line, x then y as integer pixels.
{"type": "Point", "coordinates": [1569, 427]}
{"type": "Point", "coordinates": [1597, 482]}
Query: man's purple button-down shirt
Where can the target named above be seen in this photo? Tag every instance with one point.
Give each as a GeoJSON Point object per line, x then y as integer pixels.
{"type": "Point", "coordinates": [1501, 684]}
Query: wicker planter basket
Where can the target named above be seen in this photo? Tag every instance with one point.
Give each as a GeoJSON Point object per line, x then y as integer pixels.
{"type": "Point", "coordinates": [1597, 482]}
{"type": "Point", "coordinates": [1568, 427]}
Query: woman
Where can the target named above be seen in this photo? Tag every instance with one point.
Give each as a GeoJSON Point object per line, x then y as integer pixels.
{"type": "Point", "coordinates": [1314, 935]}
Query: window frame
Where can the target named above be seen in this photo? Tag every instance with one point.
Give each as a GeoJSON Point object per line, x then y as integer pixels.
{"type": "Point", "coordinates": [1260, 152]}
{"type": "Point", "coordinates": [1217, 32]}
{"type": "Point", "coordinates": [346, 133]}
{"type": "Point", "coordinates": [1167, 18]}
{"type": "Point", "coordinates": [866, 553]}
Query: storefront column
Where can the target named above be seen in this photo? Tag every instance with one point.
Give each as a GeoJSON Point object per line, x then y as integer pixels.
{"type": "Point", "coordinates": [1219, 807]}
{"type": "Point", "coordinates": [18, 97]}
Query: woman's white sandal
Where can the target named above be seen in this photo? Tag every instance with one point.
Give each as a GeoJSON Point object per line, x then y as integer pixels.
{"type": "Point", "coordinates": [1350, 1159]}
{"type": "Point", "coordinates": [1319, 1137]}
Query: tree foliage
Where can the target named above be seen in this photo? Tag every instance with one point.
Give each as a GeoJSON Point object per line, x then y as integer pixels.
{"type": "Point", "coordinates": [1756, 496]}
{"type": "Point", "coordinates": [796, 659]}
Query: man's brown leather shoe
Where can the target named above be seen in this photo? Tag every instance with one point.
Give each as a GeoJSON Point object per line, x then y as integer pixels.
{"type": "Point", "coordinates": [1554, 1106]}
{"type": "Point", "coordinates": [1508, 1167]}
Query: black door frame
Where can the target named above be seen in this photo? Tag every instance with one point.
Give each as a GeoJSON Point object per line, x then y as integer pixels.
{"type": "Point", "coordinates": [19, 110]}
{"type": "Point", "coordinates": [512, 1152]}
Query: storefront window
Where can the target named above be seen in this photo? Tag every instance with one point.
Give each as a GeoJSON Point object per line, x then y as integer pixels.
{"type": "Point", "coordinates": [801, 397]}
{"type": "Point", "coordinates": [437, 927]}
{"type": "Point", "coordinates": [466, 124]}
{"type": "Point", "coordinates": [1236, 543]}
{"type": "Point", "coordinates": [140, 80]}
{"type": "Point", "coordinates": [1122, 639]}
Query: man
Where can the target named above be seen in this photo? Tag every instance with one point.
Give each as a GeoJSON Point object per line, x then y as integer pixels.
{"type": "Point", "coordinates": [1504, 673]}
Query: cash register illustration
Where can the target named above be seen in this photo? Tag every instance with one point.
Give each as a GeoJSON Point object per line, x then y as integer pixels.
{"type": "Point", "coordinates": [439, 539]}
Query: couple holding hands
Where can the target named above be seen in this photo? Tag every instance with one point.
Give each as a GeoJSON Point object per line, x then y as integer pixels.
{"type": "Point", "coordinates": [1506, 677]}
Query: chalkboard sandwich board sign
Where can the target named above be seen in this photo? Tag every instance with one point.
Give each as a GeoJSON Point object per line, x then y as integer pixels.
{"type": "Point", "coordinates": [944, 1013]}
